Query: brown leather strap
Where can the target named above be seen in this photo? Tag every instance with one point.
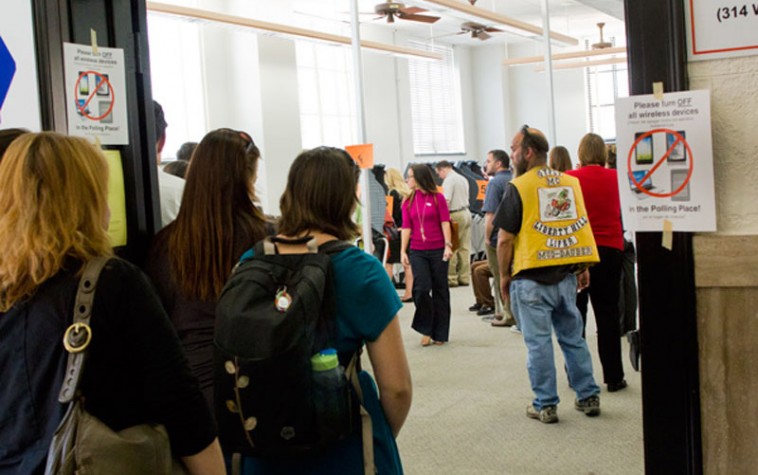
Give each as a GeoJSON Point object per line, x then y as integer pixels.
{"type": "Point", "coordinates": [367, 430]}
{"type": "Point", "coordinates": [78, 335]}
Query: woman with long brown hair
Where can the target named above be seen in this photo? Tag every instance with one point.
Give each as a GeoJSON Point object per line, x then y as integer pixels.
{"type": "Point", "coordinates": [192, 257]}
{"type": "Point", "coordinates": [426, 233]}
{"type": "Point", "coordinates": [53, 221]}
{"type": "Point", "coordinates": [318, 202]}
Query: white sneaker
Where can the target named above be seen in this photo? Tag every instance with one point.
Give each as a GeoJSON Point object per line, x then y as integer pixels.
{"type": "Point", "coordinates": [515, 329]}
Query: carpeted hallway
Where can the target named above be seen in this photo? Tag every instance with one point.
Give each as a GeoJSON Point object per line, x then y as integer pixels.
{"type": "Point", "coordinates": [469, 403]}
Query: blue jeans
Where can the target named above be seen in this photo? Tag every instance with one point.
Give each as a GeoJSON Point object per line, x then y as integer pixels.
{"type": "Point", "coordinates": [540, 307]}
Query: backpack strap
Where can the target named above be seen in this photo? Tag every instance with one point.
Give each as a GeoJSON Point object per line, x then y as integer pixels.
{"type": "Point", "coordinates": [367, 429]}
{"type": "Point", "coordinates": [334, 246]}
{"type": "Point", "coordinates": [79, 334]}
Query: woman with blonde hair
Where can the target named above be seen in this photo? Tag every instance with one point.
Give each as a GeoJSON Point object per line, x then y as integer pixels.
{"type": "Point", "coordinates": [55, 213]}
{"type": "Point", "coordinates": [398, 191]}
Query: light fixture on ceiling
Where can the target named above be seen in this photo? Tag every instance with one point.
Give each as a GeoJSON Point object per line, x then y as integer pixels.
{"type": "Point", "coordinates": [570, 55]}
{"type": "Point", "coordinates": [287, 30]}
{"type": "Point", "coordinates": [502, 20]}
{"type": "Point", "coordinates": [586, 64]}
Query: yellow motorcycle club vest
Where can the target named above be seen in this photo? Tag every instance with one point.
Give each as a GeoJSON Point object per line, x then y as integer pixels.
{"type": "Point", "coordinates": [555, 229]}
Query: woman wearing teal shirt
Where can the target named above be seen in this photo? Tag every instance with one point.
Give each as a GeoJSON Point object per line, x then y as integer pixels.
{"type": "Point", "coordinates": [318, 201]}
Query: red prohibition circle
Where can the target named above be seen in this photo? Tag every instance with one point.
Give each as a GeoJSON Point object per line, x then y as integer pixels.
{"type": "Point", "coordinates": [103, 81]}
{"type": "Point", "coordinates": [638, 184]}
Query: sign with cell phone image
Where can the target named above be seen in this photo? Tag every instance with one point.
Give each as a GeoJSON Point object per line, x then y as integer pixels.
{"type": "Point", "coordinates": [665, 161]}
{"type": "Point", "coordinates": [96, 93]}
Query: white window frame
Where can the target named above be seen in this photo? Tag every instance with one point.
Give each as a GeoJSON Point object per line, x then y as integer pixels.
{"type": "Point", "coordinates": [436, 106]}
{"type": "Point", "coordinates": [327, 95]}
{"type": "Point", "coordinates": [176, 72]}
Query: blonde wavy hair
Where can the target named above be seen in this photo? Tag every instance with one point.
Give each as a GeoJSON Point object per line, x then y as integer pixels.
{"type": "Point", "coordinates": [53, 202]}
{"type": "Point", "coordinates": [394, 181]}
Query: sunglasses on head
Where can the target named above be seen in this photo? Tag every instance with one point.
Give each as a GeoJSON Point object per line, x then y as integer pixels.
{"type": "Point", "coordinates": [246, 137]}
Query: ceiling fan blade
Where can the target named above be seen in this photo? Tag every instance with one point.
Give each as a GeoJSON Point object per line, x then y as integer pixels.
{"type": "Point", "coordinates": [493, 30]}
{"type": "Point", "coordinates": [411, 10]}
{"type": "Point", "coordinates": [483, 36]}
{"type": "Point", "coordinates": [421, 18]}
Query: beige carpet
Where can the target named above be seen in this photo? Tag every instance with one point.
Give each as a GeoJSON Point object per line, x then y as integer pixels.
{"type": "Point", "coordinates": [469, 403]}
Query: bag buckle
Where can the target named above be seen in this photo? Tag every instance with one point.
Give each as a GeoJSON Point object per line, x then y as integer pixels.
{"type": "Point", "coordinates": [77, 337]}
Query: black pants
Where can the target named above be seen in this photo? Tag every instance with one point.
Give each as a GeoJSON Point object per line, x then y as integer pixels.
{"type": "Point", "coordinates": [604, 293]}
{"type": "Point", "coordinates": [431, 295]}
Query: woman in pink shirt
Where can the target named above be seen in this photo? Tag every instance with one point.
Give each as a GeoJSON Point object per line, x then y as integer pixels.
{"type": "Point", "coordinates": [601, 197]}
{"type": "Point", "coordinates": [426, 233]}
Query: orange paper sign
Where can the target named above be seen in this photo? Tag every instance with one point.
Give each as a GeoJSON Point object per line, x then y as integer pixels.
{"type": "Point", "coordinates": [363, 154]}
{"type": "Point", "coordinates": [482, 189]}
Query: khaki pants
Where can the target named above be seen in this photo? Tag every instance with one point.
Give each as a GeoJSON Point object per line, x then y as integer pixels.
{"type": "Point", "coordinates": [460, 264]}
{"type": "Point", "coordinates": [501, 308]}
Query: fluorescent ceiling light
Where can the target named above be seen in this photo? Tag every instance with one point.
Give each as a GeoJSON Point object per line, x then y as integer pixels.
{"type": "Point", "coordinates": [287, 30]}
{"type": "Point", "coordinates": [465, 7]}
{"type": "Point", "coordinates": [586, 64]}
{"type": "Point", "coordinates": [571, 55]}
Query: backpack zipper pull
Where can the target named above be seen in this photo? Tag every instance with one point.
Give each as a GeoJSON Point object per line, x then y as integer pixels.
{"type": "Point", "coordinates": [282, 300]}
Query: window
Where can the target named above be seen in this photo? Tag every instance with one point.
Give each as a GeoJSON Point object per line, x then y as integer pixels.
{"type": "Point", "coordinates": [327, 95]}
{"type": "Point", "coordinates": [436, 103]}
{"type": "Point", "coordinates": [605, 84]}
{"type": "Point", "coordinates": [177, 78]}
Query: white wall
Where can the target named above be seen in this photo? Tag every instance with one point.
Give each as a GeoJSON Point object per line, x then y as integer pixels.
{"type": "Point", "coordinates": [491, 84]}
{"type": "Point", "coordinates": [529, 100]}
{"type": "Point", "coordinates": [734, 113]}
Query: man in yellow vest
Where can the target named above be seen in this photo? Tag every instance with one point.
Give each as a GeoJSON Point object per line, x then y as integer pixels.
{"type": "Point", "coordinates": [544, 247]}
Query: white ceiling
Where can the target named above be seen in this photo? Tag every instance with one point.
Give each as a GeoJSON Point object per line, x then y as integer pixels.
{"type": "Point", "coordinates": [576, 18]}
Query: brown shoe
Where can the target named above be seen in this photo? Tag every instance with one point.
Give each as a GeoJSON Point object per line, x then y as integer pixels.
{"type": "Point", "coordinates": [426, 340]}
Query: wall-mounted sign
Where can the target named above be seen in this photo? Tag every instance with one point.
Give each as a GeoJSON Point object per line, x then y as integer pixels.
{"type": "Point", "coordinates": [19, 91]}
{"type": "Point", "coordinates": [96, 93]}
{"type": "Point", "coordinates": [719, 28]}
{"type": "Point", "coordinates": [665, 161]}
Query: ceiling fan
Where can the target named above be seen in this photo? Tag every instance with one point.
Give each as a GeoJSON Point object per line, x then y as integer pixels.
{"type": "Point", "coordinates": [392, 10]}
{"type": "Point", "coordinates": [601, 44]}
{"type": "Point", "coordinates": [478, 30]}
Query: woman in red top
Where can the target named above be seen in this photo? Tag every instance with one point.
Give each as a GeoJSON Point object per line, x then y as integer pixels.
{"type": "Point", "coordinates": [426, 232]}
{"type": "Point", "coordinates": [601, 197]}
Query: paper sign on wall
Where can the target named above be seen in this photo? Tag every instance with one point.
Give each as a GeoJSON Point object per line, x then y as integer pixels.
{"type": "Point", "coordinates": [96, 93]}
{"type": "Point", "coordinates": [665, 161]}
{"type": "Point", "coordinates": [363, 154]}
{"type": "Point", "coordinates": [718, 29]}
{"type": "Point", "coordinates": [116, 198]}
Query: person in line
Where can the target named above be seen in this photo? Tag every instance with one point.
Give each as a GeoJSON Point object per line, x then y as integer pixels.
{"type": "Point", "coordinates": [560, 159]}
{"type": "Point", "coordinates": [170, 187]}
{"type": "Point", "coordinates": [398, 191]}
{"type": "Point", "coordinates": [185, 151]}
{"type": "Point", "coordinates": [425, 237]}
{"type": "Point", "coordinates": [318, 201]}
{"type": "Point", "coordinates": [191, 258]}
{"type": "Point", "coordinates": [456, 190]}
{"type": "Point", "coordinates": [480, 280]}
{"type": "Point", "coordinates": [601, 196]}
{"type": "Point", "coordinates": [56, 214]}
{"type": "Point", "coordinates": [499, 170]}
{"type": "Point", "coordinates": [541, 272]}
{"type": "Point", "coordinates": [7, 136]}
{"type": "Point", "coordinates": [177, 168]}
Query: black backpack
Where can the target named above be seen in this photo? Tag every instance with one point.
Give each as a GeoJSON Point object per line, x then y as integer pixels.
{"type": "Point", "coordinates": [274, 313]}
